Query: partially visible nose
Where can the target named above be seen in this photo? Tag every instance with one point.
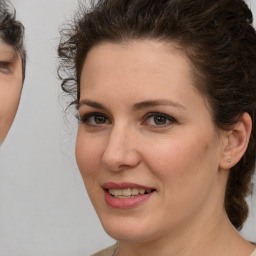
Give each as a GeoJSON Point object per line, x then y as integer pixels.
{"type": "Point", "coordinates": [121, 150]}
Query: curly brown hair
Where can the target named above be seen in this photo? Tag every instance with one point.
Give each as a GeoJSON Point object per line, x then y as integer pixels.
{"type": "Point", "coordinates": [216, 35]}
{"type": "Point", "coordinates": [12, 31]}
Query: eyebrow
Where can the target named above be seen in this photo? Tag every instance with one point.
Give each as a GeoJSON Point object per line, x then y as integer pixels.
{"type": "Point", "coordinates": [136, 106]}
{"type": "Point", "coordinates": [91, 103]}
{"type": "Point", "coordinates": [155, 103]}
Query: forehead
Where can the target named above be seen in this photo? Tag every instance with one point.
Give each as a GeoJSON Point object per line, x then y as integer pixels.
{"type": "Point", "coordinates": [136, 61]}
{"type": "Point", "coordinates": [7, 51]}
{"type": "Point", "coordinates": [138, 70]}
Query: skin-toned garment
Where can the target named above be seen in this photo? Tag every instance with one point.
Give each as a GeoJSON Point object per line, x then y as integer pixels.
{"type": "Point", "coordinates": [254, 253]}
{"type": "Point", "coordinates": [110, 251]}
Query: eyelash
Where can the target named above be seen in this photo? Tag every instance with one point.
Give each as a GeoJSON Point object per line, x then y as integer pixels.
{"type": "Point", "coordinates": [166, 118]}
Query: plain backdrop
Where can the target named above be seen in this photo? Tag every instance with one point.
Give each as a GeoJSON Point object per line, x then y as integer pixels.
{"type": "Point", "coordinates": [44, 208]}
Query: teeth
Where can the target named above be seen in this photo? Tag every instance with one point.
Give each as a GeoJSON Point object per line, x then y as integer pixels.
{"type": "Point", "coordinates": [135, 191]}
{"type": "Point", "coordinates": [142, 191]}
{"type": "Point", "coordinates": [128, 192]}
{"type": "Point", "coordinates": [118, 192]}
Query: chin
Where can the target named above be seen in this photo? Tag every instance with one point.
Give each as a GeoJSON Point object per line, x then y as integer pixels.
{"type": "Point", "coordinates": [128, 229]}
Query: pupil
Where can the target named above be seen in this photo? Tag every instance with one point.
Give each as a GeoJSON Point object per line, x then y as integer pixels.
{"type": "Point", "coordinates": [159, 120]}
{"type": "Point", "coordinates": [100, 119]}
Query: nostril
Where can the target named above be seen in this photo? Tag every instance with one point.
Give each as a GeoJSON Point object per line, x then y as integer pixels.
{"type": "Point", "coordinates": [120, 151]}
{"type": "Point", "coordinates": [120, 160]}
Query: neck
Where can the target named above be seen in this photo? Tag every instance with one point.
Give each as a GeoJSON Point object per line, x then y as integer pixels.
{"type": "Point", "coordinates": [200, 238]}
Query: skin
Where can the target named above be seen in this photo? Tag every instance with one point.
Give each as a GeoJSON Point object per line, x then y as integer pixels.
{"type": "Point", "coordinates": [183, 157]}
{"type": "Point", "coordinates": [10, 87]}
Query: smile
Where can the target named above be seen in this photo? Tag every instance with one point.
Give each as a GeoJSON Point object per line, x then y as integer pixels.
{"type": "Point", "coordinates": [126, 195]}
{"type": "Point", "coordinates": [128, 192]}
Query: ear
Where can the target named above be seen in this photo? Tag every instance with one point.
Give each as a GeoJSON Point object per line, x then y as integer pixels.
{"type": "Point", "coordinates": [236, 142]}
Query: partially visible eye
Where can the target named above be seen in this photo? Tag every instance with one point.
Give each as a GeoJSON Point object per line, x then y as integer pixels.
{"type": "Point", "coordinates": [95, 119]}
{"type": "Point", "coordinates": [158, 119]}
{"type": "Point", "coordinates": [4, 67]}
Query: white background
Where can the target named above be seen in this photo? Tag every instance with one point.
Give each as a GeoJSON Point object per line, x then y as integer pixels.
{"type": "Point", "coordinates": [44, 208]}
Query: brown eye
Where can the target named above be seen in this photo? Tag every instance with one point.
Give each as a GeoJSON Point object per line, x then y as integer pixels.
{"type": "Point", "coordinates": [95, 119]}
{"type": "Point", "coordinates": [100, 119]}
{"type": "Point", "coordinates": [158, 119]}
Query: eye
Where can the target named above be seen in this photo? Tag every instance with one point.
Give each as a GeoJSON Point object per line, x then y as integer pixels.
{"type": "Point", "coordinates": [4, 67]}
{"type": "Point", "coordinates": [95, 119]}
{"type": "Point", "coordinates": [158, 119]}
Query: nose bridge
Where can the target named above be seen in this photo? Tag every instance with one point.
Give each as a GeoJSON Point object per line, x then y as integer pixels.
{"type": "Point", "coordinates": [120, 151]}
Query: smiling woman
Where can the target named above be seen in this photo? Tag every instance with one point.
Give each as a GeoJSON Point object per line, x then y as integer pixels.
{"type": "Point", "coordinates": [12, 66]}
{"type": "Point", "coordinates": [165, 92]}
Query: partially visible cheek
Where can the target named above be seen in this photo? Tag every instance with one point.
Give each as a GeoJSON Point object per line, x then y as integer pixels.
{"type": "Point", "coordinates": [84, 156]}
{"type": "Point", "coordinates": [9, 102]}
{"type": "Point", "coordinates": [88, 157]}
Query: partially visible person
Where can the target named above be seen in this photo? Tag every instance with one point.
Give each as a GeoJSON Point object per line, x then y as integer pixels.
{"type": "Point", "coordinates": [12, 66]}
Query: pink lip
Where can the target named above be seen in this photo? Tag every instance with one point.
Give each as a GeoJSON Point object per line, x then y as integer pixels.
{"type": "Point", "coordinates": [125, 203]}
{"type": "Point", "coordinates": [124, 185]}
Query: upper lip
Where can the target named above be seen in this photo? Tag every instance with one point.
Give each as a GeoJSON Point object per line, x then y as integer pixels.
{"type": "Point", "coordinates": [124, 185]}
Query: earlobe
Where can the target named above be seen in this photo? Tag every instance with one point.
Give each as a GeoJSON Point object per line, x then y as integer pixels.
{"type": "Point", "coordinates": [236, 142]}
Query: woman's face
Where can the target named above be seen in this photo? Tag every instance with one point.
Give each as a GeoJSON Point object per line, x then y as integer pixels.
{"type": "Point", "coordinates": [10, 87]}
{"type": "Point", "coordinates": [146, 147]}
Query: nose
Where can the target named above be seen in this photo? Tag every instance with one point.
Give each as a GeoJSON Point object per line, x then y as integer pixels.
{"type": "Point", "coordinates": [120, 151]}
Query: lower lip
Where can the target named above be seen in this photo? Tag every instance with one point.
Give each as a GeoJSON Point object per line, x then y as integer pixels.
{"type": "Point", "coordinates": [125, 203]}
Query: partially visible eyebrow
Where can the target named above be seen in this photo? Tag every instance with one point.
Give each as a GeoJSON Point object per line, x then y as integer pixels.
{"type": "Point", "coordinates": [154, 103]}
{"type": "Point", "coordinates": [91, 103]}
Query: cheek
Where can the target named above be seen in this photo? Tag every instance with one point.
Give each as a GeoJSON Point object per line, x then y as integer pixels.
{"type": "Point", "coordinates": [88, 157]}
{"type": "Point", "coordinates": [187, 162]}
{"type": "Point", "coordinates": [88, 154]}
{"type": "Point", "coordinates": [186, 171]}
